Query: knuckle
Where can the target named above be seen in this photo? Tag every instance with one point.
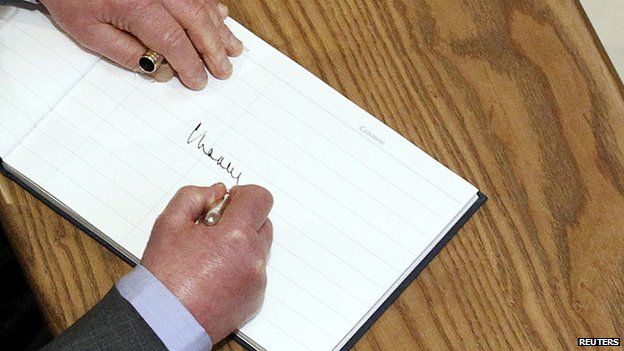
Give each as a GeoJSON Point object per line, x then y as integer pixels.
{"type": "Point", "coordinates": [187, 190]}
{"type": "Point", "coordinates": [172, 38]}
{"type": "Point", "coordinates": [236, 235]}
{"type": "Point", "coordinates": [245, 230]}
{"type": "Point", "coordinates": [240, 235]}
{"type": "Point", "coordinates": [136, 8]}
{"type": "Point", "coordinates": [255, 272]}
{"type": "Point", "coordinates": [262, 193]}
{"type": "Point", "coordinates": [198, 10]}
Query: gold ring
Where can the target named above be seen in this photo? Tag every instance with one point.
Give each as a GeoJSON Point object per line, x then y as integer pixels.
{"type": "Point", "coordinates": [150, 61]}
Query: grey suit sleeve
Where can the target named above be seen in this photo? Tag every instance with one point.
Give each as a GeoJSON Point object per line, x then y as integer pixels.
{"type": "Point", "coordinates": [112, 325]}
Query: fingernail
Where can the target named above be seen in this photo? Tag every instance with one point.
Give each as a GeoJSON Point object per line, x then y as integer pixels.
{"type": "Point", "coordinates": [227, 67]}
{"type": "Point", "coordinates": [200, 83]}
{"type": "Point", "coordinates": [235, 42]}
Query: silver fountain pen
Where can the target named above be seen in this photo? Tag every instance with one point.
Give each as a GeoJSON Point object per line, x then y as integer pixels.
{"type": "Point", "coordinates": [214, 214]}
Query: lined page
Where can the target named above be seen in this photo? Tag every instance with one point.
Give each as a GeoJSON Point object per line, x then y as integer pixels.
{"type": "Point", "coordinates": [355, 203]}
{"type": "Point", "coordinates": [38, 65]}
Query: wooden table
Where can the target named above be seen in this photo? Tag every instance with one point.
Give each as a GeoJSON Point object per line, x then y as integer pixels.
{"type": "Point", "coordinates": [516, 96]}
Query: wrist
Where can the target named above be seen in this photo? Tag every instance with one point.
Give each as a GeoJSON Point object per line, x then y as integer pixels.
{"type": "Point", "coordinates": [206, 310]}
{"type": "Point", "coordinates": [162, 311]}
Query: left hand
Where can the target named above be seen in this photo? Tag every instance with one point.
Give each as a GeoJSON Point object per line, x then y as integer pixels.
{"type": "Point", "coordinates": [190, 34]}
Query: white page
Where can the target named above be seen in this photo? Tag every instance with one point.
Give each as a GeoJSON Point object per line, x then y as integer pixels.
{"type": "Point", "coordinates": [38, 65]}
{"type": "Point", "coordinates": [607, 18]}
{"type": "Point", "coordinates": [351, 215]}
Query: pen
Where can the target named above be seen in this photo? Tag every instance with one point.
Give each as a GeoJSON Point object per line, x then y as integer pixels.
{"type": "Point", "coordinates": [214, 214]}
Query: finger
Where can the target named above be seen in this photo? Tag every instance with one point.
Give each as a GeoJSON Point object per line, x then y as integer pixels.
{"type": "Point", "coordinates": [223, 10]}
{"type": "Point", "coordinates": [233, 46]}
{"type": "Point", "coordinates": [249, 205]}
{"type": "Point", "coordinates": [265, 234]}
{"type": "Point", "coordinates": [158, 30]}
{"type": "Point", "coordinates": [191, 202]}
{"type": "Point", "coordinates": [116, 45]}
{"type": "Point", "coordinates": [199, 18]}
{"type": "Point", "coordinates": [164, 73]}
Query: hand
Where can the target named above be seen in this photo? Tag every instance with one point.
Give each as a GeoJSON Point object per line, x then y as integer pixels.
{"type": "Point", "coordinates": [218, 273]}
{"type": "Point", "coordinates": [188, 33]}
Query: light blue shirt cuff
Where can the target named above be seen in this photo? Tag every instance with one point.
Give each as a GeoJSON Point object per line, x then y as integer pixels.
{"type": "Point", "coordinates": [164, 313]}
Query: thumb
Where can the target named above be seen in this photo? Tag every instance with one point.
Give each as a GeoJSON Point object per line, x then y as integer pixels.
{"type": "Point", "coordinates": [190, 202]}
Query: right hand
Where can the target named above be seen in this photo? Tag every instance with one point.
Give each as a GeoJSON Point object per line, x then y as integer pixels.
{"type": "Point", "coordinates": [190, 34]}
{"type": "Point", "coordinates": [219, 272]}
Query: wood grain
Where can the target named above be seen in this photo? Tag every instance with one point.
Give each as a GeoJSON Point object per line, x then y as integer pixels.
{"type": "Point", "coordinates": [516, 96]}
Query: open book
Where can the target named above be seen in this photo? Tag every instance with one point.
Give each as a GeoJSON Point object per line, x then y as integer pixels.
{"type": "Point", "coordinates": [359, 210]}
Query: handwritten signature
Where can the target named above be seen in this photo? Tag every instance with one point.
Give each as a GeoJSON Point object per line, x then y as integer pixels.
{"type": "Point", "coordinates": [199, 138]}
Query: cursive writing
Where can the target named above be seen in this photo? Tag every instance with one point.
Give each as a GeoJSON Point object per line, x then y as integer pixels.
{"type": "Point", "coordinates": [199, 138]}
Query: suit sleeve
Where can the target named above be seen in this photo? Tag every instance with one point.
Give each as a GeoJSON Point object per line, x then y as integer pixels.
{"type": "Point", "coordinates": [113, 324]}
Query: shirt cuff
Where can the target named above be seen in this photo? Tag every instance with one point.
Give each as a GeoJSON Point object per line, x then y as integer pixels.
{"type": "Point", "coordinates": [164, 313]}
